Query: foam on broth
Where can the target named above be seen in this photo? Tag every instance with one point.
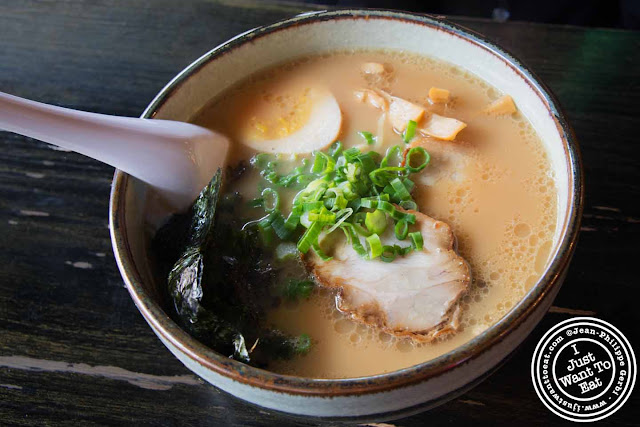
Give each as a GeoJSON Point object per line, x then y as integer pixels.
{"type": "Point", "coordinates": [493, 185]}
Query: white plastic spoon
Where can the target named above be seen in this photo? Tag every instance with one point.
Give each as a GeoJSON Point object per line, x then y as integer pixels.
{"type": "Point", "coordinates": [176, 158]}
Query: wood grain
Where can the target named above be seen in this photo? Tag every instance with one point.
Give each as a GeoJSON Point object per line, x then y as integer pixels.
{"type": "Point", "coordinates": [73, 347]}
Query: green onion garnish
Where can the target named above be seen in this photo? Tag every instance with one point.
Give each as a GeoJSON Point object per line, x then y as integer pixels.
{"type": "Point", "coordinates": [402, 250]}
{"type": "Point", "coordinates": [409, 185]}
{"type": "Point", "coordinates": [408, 205]}
{"type": "Point", "coordinates": [401, 191]}
{"type": "Point", "coordinates": [393, 153]}
{"type": "Point", "coordinates": [335, 150]}
{"type": "Point", "coordinates": [348, 190]}
{"type": "Point", "coordinates": [320, 253]}
{"type": "Point", "coordinates": [354, 239]}
{"type": "Point", "coordinates": [375, 246]}
{"type": "Point", "coordinates": [410, 161]}
{"type": "Point", "coordinates": [309, 237]}
{"type": "Point", "coordinates": [376, 221]}
{"type": "Point", "coordinates": [416, 240]}
{"type": "Point", "coordinates": [381, 177]}
{"type": "Point", "coordinates": [275, 222]}
{"type": "Point", "coordinates": [368, 136]}
{"type": "Point", "coordinates": [372, 202]}
{"type": "Point", "coordinates": [343, 215]}
{"type": "Point", "coordinates": [323, 163]}
{"type": "Point", "coordinates": [388, 253]}
{"type": "Point", "coordinates": [410, 131]}
{"type": "Point", "coordinates": [323, 216]}
{"type": "Point", "coordinates": [261, 160]}
{"type": "Point", "coordinates": [402, 230]}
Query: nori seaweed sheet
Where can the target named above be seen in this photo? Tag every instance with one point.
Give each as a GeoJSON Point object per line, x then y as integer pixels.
{"type": "Point", "coordinates": [218, 279]}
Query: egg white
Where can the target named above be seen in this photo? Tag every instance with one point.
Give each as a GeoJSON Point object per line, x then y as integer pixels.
{"type": "Point", "coordinates": [320, 130]}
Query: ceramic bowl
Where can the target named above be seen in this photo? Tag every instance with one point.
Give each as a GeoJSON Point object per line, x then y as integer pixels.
{"type": "Point", "coordinates": [406, 390]}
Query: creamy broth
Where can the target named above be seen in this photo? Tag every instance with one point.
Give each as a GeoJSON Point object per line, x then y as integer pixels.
{"type": "Point", "coordinates": [493, 185]}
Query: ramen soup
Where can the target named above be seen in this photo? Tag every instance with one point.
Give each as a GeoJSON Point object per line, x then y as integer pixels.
{"type": "Point", "coordinates": [408, 252]}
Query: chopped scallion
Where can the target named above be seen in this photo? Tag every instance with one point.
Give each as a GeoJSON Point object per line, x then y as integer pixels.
{"type": "Point", "coordinates": [343, 215]}
{"type": "Point", "coordinates": [261, 160]}
{"type": "Point", "coordinates": [376, 221]}
{"type": "Point", "coordinates": [309, 237]}
{"type": "Point", "coordinates": [409, 185]}
{"type": "Point", "coordinates": [402, 251]}
{"type": "Point", "coordinates": [416, 240]}
{"type": "Point", "coordinates": [410, 131]}
{"type": "Point", "coordinates": [356, 192]}
{"type": "Point", "coordinates": [279, 226]}
{"type": "Point", "coordinates": [388, 253]}
{"type": "Point", "coordinates": [323, 163]}
{"type": "Point", "coordinates": [401, 230]}
{"type": "Point", "coordinates": [316, 248]}
{"type": "Point", "coordinates": [409, 205]}
{"type": "Point", "coordinates": [335, 150]}
{"type": "Point", "coordinates": [368, 136]}
{"type": "Point", "coordinates": [410, 161]}
{"type": "Point", "coordinates": [401, 191]}
{"type": "Point", "coordinates": [375, 246]}
{"type": "Point", "coordinates": [393, 154]}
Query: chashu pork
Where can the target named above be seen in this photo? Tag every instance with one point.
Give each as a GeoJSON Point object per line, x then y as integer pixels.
{"type": "Point", "coordinates": [417, 295]}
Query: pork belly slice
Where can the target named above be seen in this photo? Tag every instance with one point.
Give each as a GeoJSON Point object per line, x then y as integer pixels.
{"type": "Point", "coordinates": [416, 296]}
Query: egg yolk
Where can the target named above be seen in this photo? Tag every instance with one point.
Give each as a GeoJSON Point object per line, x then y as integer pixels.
{"type": "Point", "coordinates": [275, 116]}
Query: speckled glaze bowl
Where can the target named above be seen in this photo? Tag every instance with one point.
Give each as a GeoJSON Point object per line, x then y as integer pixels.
{"type": "Point", "coordinates": [408, 390]}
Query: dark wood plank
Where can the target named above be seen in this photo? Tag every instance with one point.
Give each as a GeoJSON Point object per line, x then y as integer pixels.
{"type": "Point", "coordinates": [73, 347]}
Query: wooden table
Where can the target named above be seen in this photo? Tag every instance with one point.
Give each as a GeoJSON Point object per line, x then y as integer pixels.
{"type": "Point", "coordinates": [73, 347]}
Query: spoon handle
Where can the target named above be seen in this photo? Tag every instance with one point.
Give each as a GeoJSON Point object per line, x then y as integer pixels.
{"type": "Point", "coordinates": [175, 157]}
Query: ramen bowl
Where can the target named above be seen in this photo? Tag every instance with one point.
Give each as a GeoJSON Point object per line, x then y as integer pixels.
{"type": "Point", "coordinates": [403, 391]}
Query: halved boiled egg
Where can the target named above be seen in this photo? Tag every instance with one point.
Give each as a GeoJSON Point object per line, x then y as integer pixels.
{"type": "Point", "coordinates": [310, 122]}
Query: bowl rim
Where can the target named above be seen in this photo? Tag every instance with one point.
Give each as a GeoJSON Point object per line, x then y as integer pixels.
{"type": "Point", "coordinates": [164, 326]}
